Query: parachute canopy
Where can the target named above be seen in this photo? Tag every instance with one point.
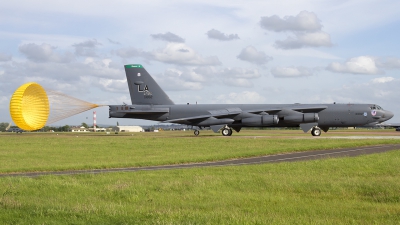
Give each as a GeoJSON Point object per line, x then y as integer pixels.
{"type": "Point", "coordinates": [29, 107]}
{"type": "Point", "coordinates": [32, 107]}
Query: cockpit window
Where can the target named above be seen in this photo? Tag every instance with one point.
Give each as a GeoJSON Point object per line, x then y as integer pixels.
{"type": "Point", "coordinates": [376, 107]}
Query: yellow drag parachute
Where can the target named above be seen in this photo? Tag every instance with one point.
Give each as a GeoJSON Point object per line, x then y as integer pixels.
{"type": "Point", "coordinates": [32, 107]}
{"type": "Point", "coordinates": [29, 107]}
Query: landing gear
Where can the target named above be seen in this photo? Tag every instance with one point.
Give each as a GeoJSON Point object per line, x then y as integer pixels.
{"type": "Point", "coordinates": [316, 131]}
{"type": "Point", "coordinates": [226, 131]}
{"type": "Point", "coordinates": [196, 132]}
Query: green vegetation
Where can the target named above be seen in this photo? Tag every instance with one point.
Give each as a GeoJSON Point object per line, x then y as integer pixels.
{"type": "Point", "coordinates": [66, 151]}
{"type": "Point", "coordinates": [360, 190]}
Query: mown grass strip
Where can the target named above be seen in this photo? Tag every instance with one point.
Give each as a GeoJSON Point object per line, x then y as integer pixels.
{"type": "Point", "coordinates": [360, 190]}
{"type": "Point", "coordinates": [56, 152]}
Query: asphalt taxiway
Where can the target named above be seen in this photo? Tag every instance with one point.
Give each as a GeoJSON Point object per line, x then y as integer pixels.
{"type": "Point", "coordinates": [289, 157]}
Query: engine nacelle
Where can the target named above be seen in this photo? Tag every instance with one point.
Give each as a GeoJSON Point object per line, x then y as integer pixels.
{"type": "Point", "coordinates": [302, 118]}
{"type": "Point", "coordinates": [261, 121]}
{"type": "Point", "coordinates": [214, 121]}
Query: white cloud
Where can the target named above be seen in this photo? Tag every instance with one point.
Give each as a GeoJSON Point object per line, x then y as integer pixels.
{"type": "Point", "coordinates": [251, 54]}
{"type": "Point", "coordinates": [389, 63]}
{"type": "Point", "coordinates": [314, 39]}
{"type": "Point", "coordinates": [173, 53]}
{"type": "Point", "coordinates": [238, 82]}
{"type": "Point", "coordinates": [290, 72]}
{"type": "Point", "coordinates": [178, 80]}
{"type": "Point", "coordinates": [44, 53]}
{"type": "Point", "coordinates": [382, 80]}
{"type": "Point", "coordinates": [170, 37]}
{"type": "Point", "coordinates": [5, 57]}
{"type": "Point", "coordinates": [240, 73]}
{"type": "Point", "coordinates": [113, 42]}
{"type": "Point", "coordinates": [114, 85]}
{"type": "Point", "coordinates": [87, 48]}
{"type": "Point", "coordinates": [218, 35]}
{"type": "Point", "coordinates": [304, 21]}
{"type": "Point", "coordinates": [306, 28]}
{"type": "Point", "coordinates": [132, 52]}
{"type": "Point", "coordinates": [245, 97]}
{"type": "Point", "coordinates": [356, 65]}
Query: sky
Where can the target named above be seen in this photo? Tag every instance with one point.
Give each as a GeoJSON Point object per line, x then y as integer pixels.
{"type": "Point", "coordinates": [288, 51]}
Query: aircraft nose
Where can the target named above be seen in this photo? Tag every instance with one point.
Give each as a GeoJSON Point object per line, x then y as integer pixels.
{"type": "Point", "coordinates": [388, 115]}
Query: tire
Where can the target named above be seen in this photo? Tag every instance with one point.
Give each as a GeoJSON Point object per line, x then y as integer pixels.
{"type": "Point", "coordinates": [196, 133]}
{"type": "Point", "coordinates": [316, 131]}
{"type": "Point", "coordinates": [226, 132]}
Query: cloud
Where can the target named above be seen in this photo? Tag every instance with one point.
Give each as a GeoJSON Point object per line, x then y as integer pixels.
{"type": "Point", "coordinates": [381, 80]}
{"type": "Point", "coordinates": [251, 54]}
{"type": "Point", "coordinates": [132, 52]}
{"type": "Point", "coordinates": [356, 65]}
{"type": "Point", "coordinates": [178, 80]}
{"type": "Point", "coordinates": [113, 42]}
{"type": "Point", "coordinates": [383, 91]}
{"type": "Point", "coordinates": [389, 63]}
{"type": "Point", "coordinates": [315, 39]}
{"type": "Point", "coordinates": [239, 77]}
{"type": "Point", "coordinates": [245, 97]}
{"type": "Point", "coordinates": [74, 77]}
{"type": "Point", "coordinates": [306, 28]}
{"type": "Point", "coordinates": [87, 48]}
{"type": "Point", "coordinates": [113, 85]}
{"type": "Point", "coordinates": [44, 53]}
{"type": "Point", "coordinates": [238, 82]}
{"type": "Point", "coordinates": [304, 21]}
{"type": "Point", "coordinates": [291, 72]}
{"type": "Point", "coordinates": [170, 37]}
{"type": "Point", "coordinates": [5, 57]}
{"type": "Point", "coordinates": [241, 73]}
{"type": "Point", "coordinates": [173, 54]}
{"type": "Point", "coordinates": [218, 35]}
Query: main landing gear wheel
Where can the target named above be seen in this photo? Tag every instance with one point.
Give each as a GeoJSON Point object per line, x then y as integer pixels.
{"type": "Point", "coordinates": [316, 131]}
{"type": "Point", "coordinates": [196, 132]}
{"type": "Point", "coordinates": [226, 132]}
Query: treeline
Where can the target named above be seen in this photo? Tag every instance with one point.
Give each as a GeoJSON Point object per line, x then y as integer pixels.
{"type": "Point", "coordinates": [65, 128]}
{"type": "Point", "coordinates": [3, 126]}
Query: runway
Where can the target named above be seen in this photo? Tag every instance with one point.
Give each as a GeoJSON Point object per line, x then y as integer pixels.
{"type": "Point", "coordinates": [289, 157]}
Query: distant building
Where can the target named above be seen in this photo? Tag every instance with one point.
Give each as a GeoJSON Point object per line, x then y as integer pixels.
{"type": "Point", "coordinates": [97, 129]}
{"type": "Point", "coordinates": [79, 129]}
{"type": "Point", "coordinates": [128, 129]}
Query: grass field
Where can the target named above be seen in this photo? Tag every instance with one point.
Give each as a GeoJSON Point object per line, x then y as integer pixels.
{"type": "Point", "coordinates": [71, 151]}
{"type": "Point", "coordinates": [360, 190]}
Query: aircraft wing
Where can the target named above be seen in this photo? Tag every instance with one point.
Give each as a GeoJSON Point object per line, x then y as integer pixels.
{"type": "Point", "coordinates": [213, 113]}
{"type": "Point", "coordinates": [223, 113]}
{"type": "Point", "coordinates": [302, 109]}
{"type": "Point", "coordinates": [314, 109]}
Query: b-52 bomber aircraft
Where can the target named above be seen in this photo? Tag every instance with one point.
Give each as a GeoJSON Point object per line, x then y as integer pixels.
{"type": "Point", "coordinates": [150, 102]}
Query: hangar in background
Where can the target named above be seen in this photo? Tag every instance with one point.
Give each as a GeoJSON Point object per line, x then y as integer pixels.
{"type": "Point", "coordinates": [128, 129]}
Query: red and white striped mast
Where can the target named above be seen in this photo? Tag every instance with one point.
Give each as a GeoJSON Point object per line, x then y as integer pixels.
{"type": "Point", "coordinates": [94, 121]}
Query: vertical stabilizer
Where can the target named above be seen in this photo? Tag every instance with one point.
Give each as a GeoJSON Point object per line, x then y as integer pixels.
{"type": "Point", "coordinates": [143, 88]}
